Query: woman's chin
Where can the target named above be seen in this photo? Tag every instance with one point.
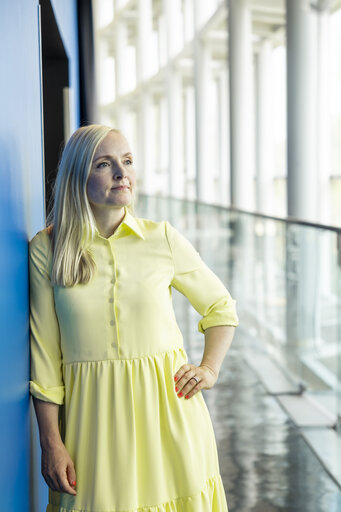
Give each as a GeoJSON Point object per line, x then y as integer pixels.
{"type": "Point", "coordinates": [121, 202]}
{"type": "Point", "coordinates": [122, 198]}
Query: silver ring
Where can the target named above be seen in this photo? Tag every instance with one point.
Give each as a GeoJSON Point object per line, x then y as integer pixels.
{"type": "Point", "coordinates": [195, 379]}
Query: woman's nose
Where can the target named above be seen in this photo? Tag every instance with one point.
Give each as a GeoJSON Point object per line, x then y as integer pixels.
{"type": "Point", "coordinates": [118, 172]}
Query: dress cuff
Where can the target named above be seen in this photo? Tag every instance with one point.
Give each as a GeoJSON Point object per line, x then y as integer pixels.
{"type": "Point", "coordinates": [55, 395]}
{"type": "Point", "coordinates": [228, 316]}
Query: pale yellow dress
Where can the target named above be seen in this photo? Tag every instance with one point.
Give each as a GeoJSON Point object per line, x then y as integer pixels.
{"type": "Point", "coordinates": [108, 351]}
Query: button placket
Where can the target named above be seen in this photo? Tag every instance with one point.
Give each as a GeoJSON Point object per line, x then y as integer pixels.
{"type": "Point", "coordinates": [112, 300]}
{"type": "Point", "coordinates": [112, 314]}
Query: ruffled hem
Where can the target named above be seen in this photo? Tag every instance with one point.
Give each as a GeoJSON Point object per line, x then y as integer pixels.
{"type": "Point", "coordinates": [210, 499]}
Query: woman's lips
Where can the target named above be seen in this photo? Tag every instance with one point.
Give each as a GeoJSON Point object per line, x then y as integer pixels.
{"type": "Point", "coordinates": [123, 187]}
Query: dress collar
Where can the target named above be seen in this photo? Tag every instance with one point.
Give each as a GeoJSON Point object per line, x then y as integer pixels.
{"type": "Point", "coordinates": [128, 221]}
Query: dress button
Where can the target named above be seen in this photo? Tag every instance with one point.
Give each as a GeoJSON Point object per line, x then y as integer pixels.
{"type": "Point", "coordinates": [112, 322]}
{"type": "Point", "coordinates": [113, 344]}
{"type": "Point", "coordinates": [111, 299]}
{"type": "Point", "coordinates": [113, 281]}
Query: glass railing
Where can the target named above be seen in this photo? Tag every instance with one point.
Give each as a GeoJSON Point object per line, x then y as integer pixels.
{"type": "Point", "coordinates": [286, 278]}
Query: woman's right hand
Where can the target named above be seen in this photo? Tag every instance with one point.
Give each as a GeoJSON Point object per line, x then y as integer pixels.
{"type": "Point", "coordinates": [58, 469]}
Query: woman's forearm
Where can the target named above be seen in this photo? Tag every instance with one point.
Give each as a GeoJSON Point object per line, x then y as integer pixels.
{"type": "Point", "coordinates": [57, 467]}
{"type": "Point", "coordinates": [47, 416]}
{"type": "Point", "coordinates": [217, 342]}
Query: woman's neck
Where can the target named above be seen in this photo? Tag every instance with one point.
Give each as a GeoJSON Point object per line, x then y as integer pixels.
{"type": "Point", "coordinates": [107, 220]}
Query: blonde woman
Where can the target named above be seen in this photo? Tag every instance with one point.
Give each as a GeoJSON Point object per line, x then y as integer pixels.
{"type": "Point", "coordinates": [122, 420]}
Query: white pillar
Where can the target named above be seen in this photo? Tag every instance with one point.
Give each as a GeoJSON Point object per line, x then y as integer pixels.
{"type": "Point", "coordinates": [303, 244]}
{"type": "Point", "coordinates": [175, 102]}
{"type": "Point", "coordinates": [121, 40]}
{"type": "Point", "coordinates": [162, 37]}
{"type": "Point", "coordinates": [323, 118]}
{"type": "Point", "coordinates": [241, 104]}
{"type": "Point", "coordinates": [302, 110]}
{"type": "Point", "coordinates": [173, 26]}
{"type": "Point", "coordinates": [264, 139]}
{"type": "Point", "coordinates": [146, 141]}
{"type": "Point", "coordinates": [188, 20]}
{"type": "Point", "coordinates": [105, 66]}
{"type": "Point", "coordinates": [202, 72]}
{"type": "Point", "coordinates": [189, 142]}
{"type": "Point", "coordinates": [121, 117]}
{"type": "Point", "coordinates": [204, 181]}
{"type": "Point", "coordinates": [144, 32]}
{"type": "Point", "coordinates": [223, 147]}
{"type": "Point", "coordinates": [176, 172]}
{"type": "Point", "coordinates": [163, 183]}
{"type": "Point", "coordinates": [200, 13]}
{"type": "Point", "coordinates": [323, 146]}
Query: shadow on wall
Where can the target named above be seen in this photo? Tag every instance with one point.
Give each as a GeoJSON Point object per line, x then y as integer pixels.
{"type": "Point", "coordinates": [14, 399]}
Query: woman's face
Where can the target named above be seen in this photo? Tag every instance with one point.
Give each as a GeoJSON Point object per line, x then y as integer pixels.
{"type": "Point", "coordinates": [112, 175]}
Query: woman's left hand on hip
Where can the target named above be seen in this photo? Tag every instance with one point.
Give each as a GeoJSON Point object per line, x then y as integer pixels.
{"type": "Point", "coordinates": [186, 386]}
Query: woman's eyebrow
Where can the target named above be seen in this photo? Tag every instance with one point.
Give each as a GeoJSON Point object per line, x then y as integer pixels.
{"type": "Point", "coordinates": [109, 156]}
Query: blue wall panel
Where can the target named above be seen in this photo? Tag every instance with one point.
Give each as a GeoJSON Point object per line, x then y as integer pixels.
{"type": "Point", "coordinates": [21, 216]}
{"type": "Point", "coordinates": [21, 213]}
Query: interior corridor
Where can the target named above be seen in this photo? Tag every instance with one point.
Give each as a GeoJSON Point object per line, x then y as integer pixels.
{"type": "Point", "coordinates": [266, 463]}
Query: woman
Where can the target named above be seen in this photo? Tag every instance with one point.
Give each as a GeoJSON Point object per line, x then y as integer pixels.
{"type": "Point", "coordinates": [105, 345]}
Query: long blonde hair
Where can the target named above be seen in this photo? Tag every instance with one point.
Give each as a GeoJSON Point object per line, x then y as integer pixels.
{"type": "Point", "coordinates": [71, 223]}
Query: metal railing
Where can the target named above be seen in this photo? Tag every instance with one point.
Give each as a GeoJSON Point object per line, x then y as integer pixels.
{"type": "Point", "coordinates": [286, 277]}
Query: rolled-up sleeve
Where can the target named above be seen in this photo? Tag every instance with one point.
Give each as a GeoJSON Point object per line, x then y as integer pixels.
{"type": "Point", "coordinates": [194, 279]}
{"type": "Point", "coordinates": [46, 359]}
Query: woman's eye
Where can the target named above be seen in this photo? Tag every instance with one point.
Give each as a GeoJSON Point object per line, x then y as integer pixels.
{"type": "Point", "coordinates": [102, 164]}
{"type": "Point", "coordinates": [128, 162]}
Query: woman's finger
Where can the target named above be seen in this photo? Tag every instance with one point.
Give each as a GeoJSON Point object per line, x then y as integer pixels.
{"type": "Point", "coordinates": [64, 485]}
{"type": "Point", "coordinates": [51, 484]}
{"type": "Point", "coordinates": [186, 381]}
{"type": "Point", "coordinates": [187, 386]}
{"type": "Point", "coordinates": [186, 373]}
{"type": "Point", "coordinates": [190, 386]}
{"type": "Point", "coordinates": [181, 371]}
{"type": "Point", "coordinates": [71, 475]}
{"type": "Point", "coordinates": [59, 483]}
{"type": "Point", "coordinates": [58, 469]}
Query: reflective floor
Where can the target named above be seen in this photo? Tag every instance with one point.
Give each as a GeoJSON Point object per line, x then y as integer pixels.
{"type": "Point", "coordinates": [265, 463]}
